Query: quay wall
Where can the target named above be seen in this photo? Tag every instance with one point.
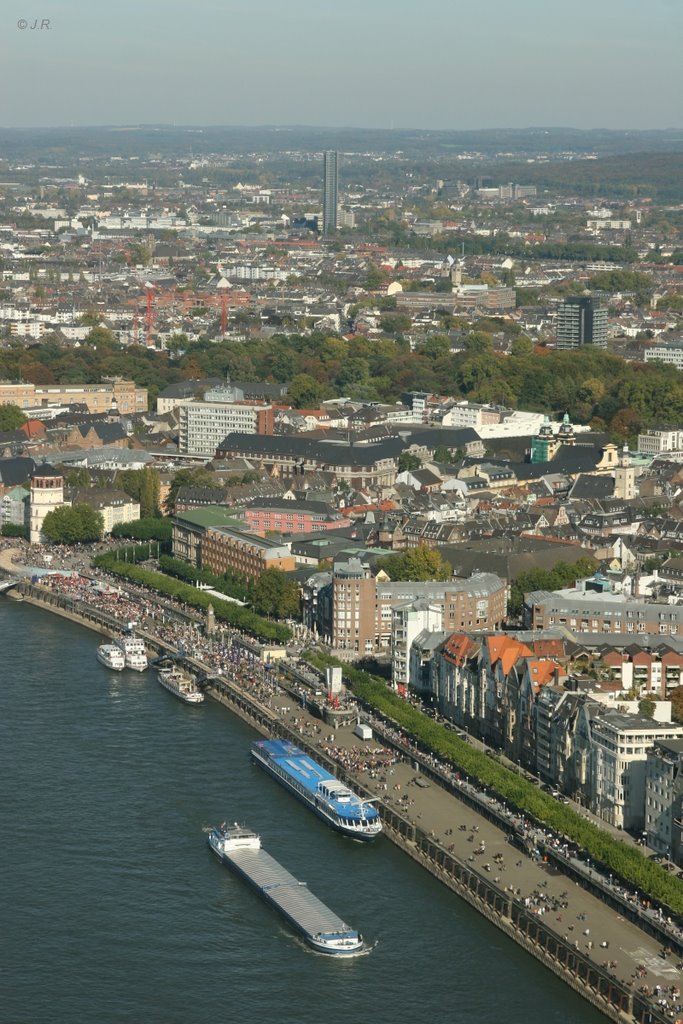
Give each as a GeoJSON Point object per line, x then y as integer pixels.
{"type": "Point", "coordinates": [596, 985]}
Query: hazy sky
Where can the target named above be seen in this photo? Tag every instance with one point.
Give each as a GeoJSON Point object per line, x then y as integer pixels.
{"type": "Point", "coordinates": [365, 63]}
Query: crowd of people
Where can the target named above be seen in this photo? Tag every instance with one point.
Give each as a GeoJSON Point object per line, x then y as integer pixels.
{"type": "Point", "coordinates": [375, 761]}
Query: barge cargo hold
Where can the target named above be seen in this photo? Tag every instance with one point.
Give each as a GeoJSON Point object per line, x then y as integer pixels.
{"type": "Point", "coordinates": [240, 848]}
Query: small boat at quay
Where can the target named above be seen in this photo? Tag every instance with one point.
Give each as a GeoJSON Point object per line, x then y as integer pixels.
{"type": "Point", "coordinates": [111, 656]}
{"type": "Point", "coordinates": [240, 849]}
{"type": "Point", "coordinates": [180, 685]}
{"type": "Point", "coordinates": [134, 652]}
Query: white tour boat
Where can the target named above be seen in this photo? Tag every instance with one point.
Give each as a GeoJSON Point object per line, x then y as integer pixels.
{"type": "Point", "coordinates": [111, 656]}
{"type": "Point", "coordinates": [180, 685]}
{"type": "Point", "coordinates": [134, 652]}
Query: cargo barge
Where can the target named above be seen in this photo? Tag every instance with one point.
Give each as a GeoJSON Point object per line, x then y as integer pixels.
{"type": "Point", "coordinates": [240, 848]}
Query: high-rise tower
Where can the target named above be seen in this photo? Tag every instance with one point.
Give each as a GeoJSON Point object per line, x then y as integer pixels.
{"type": "Point", "coordinates": [581, 321]}
{"type": "Point", "coordinates": [330, 191]}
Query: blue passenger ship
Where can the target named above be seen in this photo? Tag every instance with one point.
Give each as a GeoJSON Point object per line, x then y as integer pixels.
{"type": "Point", "coordinates": [331, 799]}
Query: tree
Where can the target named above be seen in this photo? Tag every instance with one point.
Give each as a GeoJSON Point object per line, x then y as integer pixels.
{"type": "Point", "coordinates": [14, 530]}
{"type": "Point", "coordinates": [73, 524]}
{"type": "Point", "coordinates": [275, 594]}
{"type": "Point", "coordinates": [676, 696]}
{"type": "Point", "coordinates": [419, 564]}
{"type": "Point", "coordinates": [395, 323]}
{"type": "Point", "coordinates": [199, 477]}
{"type": "Point", "coordinates": [101, 337]}
{"type": "Point", "coordinates": [11, 417]}
{"type": "Point", "coordinates": [149, 492]}
{"type": "Point", "coordinates": [375, 279]}
{"type": "Point", "coordinates": [563, 574]}
{"type": "Point", "coordinates": [522, 346]}
{"type": "Point", "coordinates": [408, 461]}
{"type": "Point", "coordinates": [647, 707]}
{"type": "Point", "coordinates": [79, 477]}
{"type": "Point", "coordinates": [443, 454]}
{"type": "Point", "coordinates": [304, 392]}
{"type": "Point", "coordinates": [141, 485]}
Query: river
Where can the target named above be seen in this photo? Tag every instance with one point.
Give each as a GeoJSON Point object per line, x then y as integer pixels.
{"type": "Point", "coordinates": [115, 910]}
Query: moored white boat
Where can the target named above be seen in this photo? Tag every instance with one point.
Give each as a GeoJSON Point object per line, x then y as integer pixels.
{"type": "Point", "coordinates": [134, 652]}
{"type": "Point", "coordinates": [315, 786]}
{"type": "Point", "coordinates": [111, 656]}
{"type": "Point", "coordinates": [180, 685]}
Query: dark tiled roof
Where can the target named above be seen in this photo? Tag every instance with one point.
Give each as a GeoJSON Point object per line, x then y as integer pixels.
{"type": "Point", "coordinates": [591, 487]}
{"type": "Point", "coordinates": [16, 471]}
{"type": "Point", "coordinates": [263, 446]}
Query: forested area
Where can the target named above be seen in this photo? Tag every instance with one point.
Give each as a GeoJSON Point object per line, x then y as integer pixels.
{"type": "Point", "coordinates": [593, 386]}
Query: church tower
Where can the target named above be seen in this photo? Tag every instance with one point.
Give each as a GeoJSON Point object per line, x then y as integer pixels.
{"type": "Point", "coordinates": [47, 494]}
{"type": "Point", "coordinates": [565, 434]}
{"type": "Point", "coordinates": [545, 444]}
{"type": "Point", "coordinates": [625, 477]}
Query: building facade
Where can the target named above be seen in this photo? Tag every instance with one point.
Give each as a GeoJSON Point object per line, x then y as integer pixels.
{"type": "Point", "coordinates": [603, 613]}
{"type": "Point", "coordinates": [664, 799]}
{"type": "Point", "coordinates": [330, 191]}
{"type": "Point", "coordinates": [129, 398]}
{"type": "Point", "coordinates": [581, 321]}
{"type": "Point", "coordinates": [228, 550]}
{"type": "Point", "coordinates": [204, 425]}
{"type": "Point", "coordinates": [618, 760]}
{"type": "Point", "coordinates": [284, 516]}
{"type": "Point", "coordinates": [363, 602]}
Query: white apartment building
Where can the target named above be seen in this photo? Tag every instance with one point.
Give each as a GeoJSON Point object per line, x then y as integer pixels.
{"type": "Point", "coordinates": [655, 442]}
{"type": "Point", "coordinates": [618, 759]}
{"type": "Point", "coordinates": [664, 799]}
{"type": "Point", "coordinates": [204, 425]}
{"type": "Point", "coordinates": [671, 354]}
{"type": "Point", "coordinates": [408, 620]}
{"type": "Point", "coordinates": [470, 414]}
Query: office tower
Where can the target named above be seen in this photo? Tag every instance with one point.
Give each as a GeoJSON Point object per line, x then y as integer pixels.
{"type": "Point", "coordinates": [330, 198]}
{"type": "Point", "coordinates": [581, 321]}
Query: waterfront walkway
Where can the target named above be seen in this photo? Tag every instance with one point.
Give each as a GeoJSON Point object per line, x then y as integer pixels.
{"type": "Point", "coordinates": [454, 829]}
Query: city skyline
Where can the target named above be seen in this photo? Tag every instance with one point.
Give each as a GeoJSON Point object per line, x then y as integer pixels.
{"type": "Point", "coordinates": [435, 66]}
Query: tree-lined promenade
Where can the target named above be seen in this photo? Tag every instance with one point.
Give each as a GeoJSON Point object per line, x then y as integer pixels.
{"type": "Point", "coordinates": [624, 861]}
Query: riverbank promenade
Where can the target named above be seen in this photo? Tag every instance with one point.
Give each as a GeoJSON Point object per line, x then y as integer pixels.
{"type": "Point", "coordinates": [504, 866]}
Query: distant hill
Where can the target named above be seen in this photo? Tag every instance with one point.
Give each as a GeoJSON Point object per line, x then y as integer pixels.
{"type": "Point", "coordinates": [655, 175]}
{"type": "Point", "coordinates": [166, 140]}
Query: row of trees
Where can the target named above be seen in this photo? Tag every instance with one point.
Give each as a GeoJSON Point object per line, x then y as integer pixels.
{"type": "Point", "coordinates": [625, 862]}
{"type": "Point", "coordinates": [272, 593]}
{"type": "Point", "coordinates": [150, 528]}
